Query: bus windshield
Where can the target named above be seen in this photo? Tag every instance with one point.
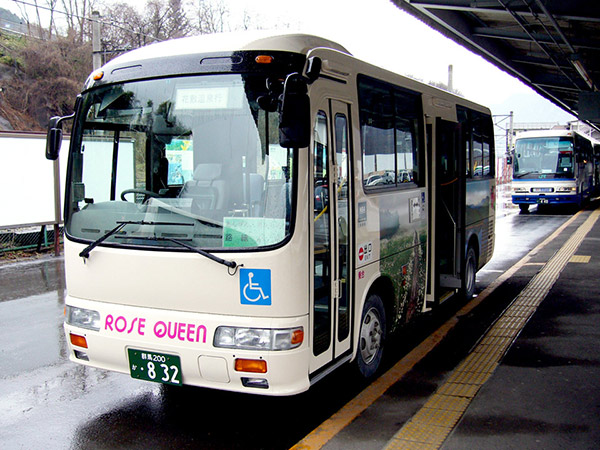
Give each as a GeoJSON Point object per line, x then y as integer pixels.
{"type": "Point", "coordinates": [192, 159]}
{"type": "Point", "coordinates": [544, 157]}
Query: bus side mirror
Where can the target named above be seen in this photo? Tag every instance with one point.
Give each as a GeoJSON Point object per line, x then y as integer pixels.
{"type": "Point", "coordinates": [54, 136]}
{"type": "Point", "coordinates": [294, 113]}
{"type": "Point", "coordinates": [313, 69]}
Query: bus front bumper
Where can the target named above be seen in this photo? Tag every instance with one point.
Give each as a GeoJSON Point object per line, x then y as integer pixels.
{"type": "Point", "coordinates": [550, 199]}
{"type": "Point", "coordinates": [125, 330]}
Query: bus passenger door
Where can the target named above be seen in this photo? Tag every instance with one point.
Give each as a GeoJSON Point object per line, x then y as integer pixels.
{"type": "Point", "coordinates": [449, 210]}
{"type": "Point", "coordinates": [341, 225]}
{"type": "Point", "coordinates": [331, 308]}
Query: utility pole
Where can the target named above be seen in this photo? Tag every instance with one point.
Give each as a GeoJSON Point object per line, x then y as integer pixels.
{"type": "Point", "coordinates": [96, 50]}
{"type": "Point", "coordinates": [511, 132]}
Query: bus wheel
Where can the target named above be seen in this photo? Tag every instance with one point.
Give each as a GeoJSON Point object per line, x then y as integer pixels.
{"type": "Point", "coordinates": [524, 207]}
{"type": "Point", "coordinates": [372, 337]}
{"type": "Point", "coordinates": [470, 273]}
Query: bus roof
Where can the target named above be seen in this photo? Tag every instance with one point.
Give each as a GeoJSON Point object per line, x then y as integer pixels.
{"type": "Point", "coordinates": [545, 133]}
{"type": "Point", "coordinates": [224, 42]}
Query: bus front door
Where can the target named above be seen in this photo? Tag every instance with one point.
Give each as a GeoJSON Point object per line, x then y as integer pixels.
{"type": "Point", "coordinates": [331, 307]}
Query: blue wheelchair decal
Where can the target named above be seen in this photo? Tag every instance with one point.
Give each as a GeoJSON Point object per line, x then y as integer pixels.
{"type": "Point", "coordinates": [255, 286]}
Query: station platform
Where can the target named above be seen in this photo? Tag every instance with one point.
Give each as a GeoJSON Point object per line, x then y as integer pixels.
{"type": "Point", "coordinates": [544, 390]}
{"type": "Point", "coordinates": [530, 380]}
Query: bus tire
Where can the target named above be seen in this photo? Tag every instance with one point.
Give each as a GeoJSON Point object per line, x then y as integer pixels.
{"type": "Point", "coordinates": [371, 337]}
{"type": "Point", "coordinates": [470, 274]}
{"type": "Point", "coordinates": [524, 207]}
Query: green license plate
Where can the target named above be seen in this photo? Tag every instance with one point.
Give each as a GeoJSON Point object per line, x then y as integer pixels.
{"type": "Point", "coordinates": [152, 366]}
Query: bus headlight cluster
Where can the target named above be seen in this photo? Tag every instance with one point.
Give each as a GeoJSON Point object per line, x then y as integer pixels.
{"type": "Point", "coordinates": [520, 190]}
{"type": "Point", "coordinates": [258, 338]}
{"type": "Point", "coordinates": [83, 318]}
{"type": "Point", "coordinates": [566, 189]}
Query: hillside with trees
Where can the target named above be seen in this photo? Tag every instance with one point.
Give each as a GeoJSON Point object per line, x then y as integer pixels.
{"type": "Point", "coordinates": [46, 50]}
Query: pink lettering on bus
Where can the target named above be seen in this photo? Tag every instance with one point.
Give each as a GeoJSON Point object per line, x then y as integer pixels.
{"type": "Point", "coordinates": [123, 322]}
{"type": "Point", "coordinates": [183, 331]}
{"type": "Point", "coordinates": [108, 323]}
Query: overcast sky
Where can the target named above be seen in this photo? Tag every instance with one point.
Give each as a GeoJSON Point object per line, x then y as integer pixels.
{"type": "Point", "coordinates": [378, 32]}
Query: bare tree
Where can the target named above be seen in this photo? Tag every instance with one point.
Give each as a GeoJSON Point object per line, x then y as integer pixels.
{"type": "Point", "coordinates": [123, 28]}
{"type": "Point", "coordinates": [77, 13]}
{"type": "Point", "coordinates": [212, 16]}
{"type": "Point", "coordinates": [177, 22]}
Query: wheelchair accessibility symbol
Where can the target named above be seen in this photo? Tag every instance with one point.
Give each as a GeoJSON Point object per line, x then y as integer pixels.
{"type": "Point", "coordinates": [255, 286]}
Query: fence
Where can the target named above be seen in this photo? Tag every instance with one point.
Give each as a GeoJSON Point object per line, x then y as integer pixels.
{"type": "Point", "coordinates": [29, 238]}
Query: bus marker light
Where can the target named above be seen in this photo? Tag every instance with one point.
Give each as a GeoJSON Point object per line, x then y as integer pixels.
{"type": "Point", "coordinates": [77, 340]}
{"type": "Point", "coordinates": [264, 59]}
{"type": "Point", "coordinates": [251, 365]}
{"type": "Point", "coordinates": [98, 75]}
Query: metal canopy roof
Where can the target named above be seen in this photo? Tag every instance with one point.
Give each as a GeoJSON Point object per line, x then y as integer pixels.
{"type": "Point", "coordinates": [551, 45]}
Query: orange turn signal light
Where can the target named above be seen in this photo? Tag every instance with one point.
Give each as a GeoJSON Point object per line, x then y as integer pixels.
{"type": "Point", "coordinates": [97, 75]}
{"type": "Point", "coordinates": [297, 336]}
{"type": "Point", "coordinates": [77, 340]}
{"type": "Point", "coordinates": [264, 59]}
{"type": "Point", "coordinates": [251, 365]}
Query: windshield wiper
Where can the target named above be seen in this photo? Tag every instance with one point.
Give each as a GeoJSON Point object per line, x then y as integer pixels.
{"type": "Point", "coordinates": [85, 253]}
{"type": "Point", "coordinates": [519, 175]}
{"type": "Point", "coordinates": [225, 262]}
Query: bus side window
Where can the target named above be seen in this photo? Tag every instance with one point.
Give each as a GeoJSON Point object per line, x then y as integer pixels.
{"type": "Point", "coordinates": [477, 161]}
{"type": "Point", "coordinates": [468, 156]}
{"type": "Point", "coordinates": [390, 124]}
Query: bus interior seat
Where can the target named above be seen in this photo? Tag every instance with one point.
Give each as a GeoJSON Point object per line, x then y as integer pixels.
{"type": "Point", "coordinates": [206, 189]}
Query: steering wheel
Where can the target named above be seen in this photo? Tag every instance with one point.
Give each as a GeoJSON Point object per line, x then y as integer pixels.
{"type": "Point", "coordinates": [138, 191]}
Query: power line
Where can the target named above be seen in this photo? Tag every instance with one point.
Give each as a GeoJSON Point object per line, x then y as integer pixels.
{"type": "Point", "coordinates": [86, 18]}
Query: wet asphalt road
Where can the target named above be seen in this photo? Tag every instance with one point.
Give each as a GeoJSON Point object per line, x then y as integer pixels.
{"type": "Point", "coordinates": [49, 402]}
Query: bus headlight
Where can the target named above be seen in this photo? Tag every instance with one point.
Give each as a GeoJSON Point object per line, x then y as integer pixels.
{"type": "Point", "coordinates": [83, 318]}
{"type": "Point", "coordinates": [258, 338]}
{"type": "Point", "coordinates": [566, 189]}
{"type": "Point", "coordinates": [520, 190]}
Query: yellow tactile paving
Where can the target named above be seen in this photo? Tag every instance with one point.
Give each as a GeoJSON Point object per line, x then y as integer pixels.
{"type": "Point", "coordinates": [490, 342]}
{"type": "Point", "coordinates": [479, 362]}
{"type": "Point", "coordinates": [448, 402]}
{"type": "Point", "coordinates": [441, 418]}
{"type": "Point", "coordinates": [430, 426]}
{"type": "Point", "coordinates": [459, 389]}
{"type": "Point", "coordinates": [580, 259]}
{"type": "Point", "coordinates": [521, 310]}
{"type": "Point", "coordinates": [469, 377]}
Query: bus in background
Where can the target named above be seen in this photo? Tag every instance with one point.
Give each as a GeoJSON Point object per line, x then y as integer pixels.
{"type": "Point", "coordinates": [250, 213]}
{"type": "Point", "coordinates": [553, 167]}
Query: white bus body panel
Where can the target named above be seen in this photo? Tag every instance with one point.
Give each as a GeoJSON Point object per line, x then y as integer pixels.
{"type": "Point", "coordinates": [202, 364]}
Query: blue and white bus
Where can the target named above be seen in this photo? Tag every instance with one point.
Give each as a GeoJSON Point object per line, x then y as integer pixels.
{"type": "Point", "coordinates": [552, 167]}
